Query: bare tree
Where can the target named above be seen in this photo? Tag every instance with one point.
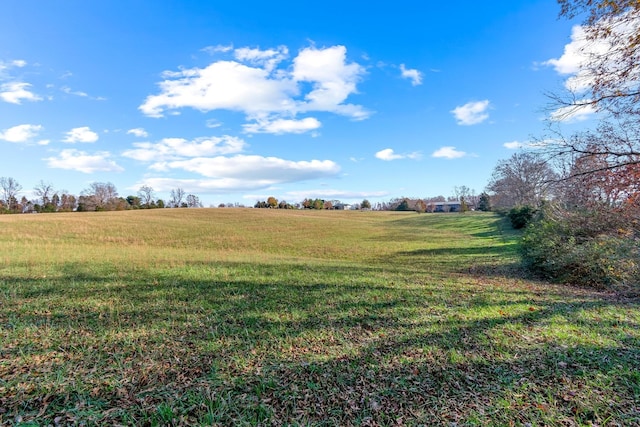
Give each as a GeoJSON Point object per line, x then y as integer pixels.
{"type": "Point", "coordinates": [176, 197]}
{"type": "Point", "coordinates": [10, 189]}
{"type": "Point", "coordinates": [44, 191]}
{"type": "Point", "coordinates": [146, 195]}
{"type": "Point", "coordinates": [610, 71]}
{"type": "Point", "coordinates": [193, 201]}
{"type": "Point", "coordinates": [99, 196]}
{"type": "Point", "coordinates": [607, 80]}
{"type": "Point", "coordinates": [523, 179]}
{"type": "Point", "coordinates": [466, 196]}
{"type": "Point", "coordinates": [68, 202]}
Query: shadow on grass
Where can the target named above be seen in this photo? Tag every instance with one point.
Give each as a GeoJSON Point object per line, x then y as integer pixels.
{"type": "Point", "coordinates": [323, 345]}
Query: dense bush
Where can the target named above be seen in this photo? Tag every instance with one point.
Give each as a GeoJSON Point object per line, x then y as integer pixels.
{"type": "Point", "coordinates": [576, 248]}
{"type": "Point", "coordinates": [520, 216]}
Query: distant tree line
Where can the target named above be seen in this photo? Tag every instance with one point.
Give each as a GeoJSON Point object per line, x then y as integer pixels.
{"type": "Point", "coordinates": [464, 199]}
{"type": "Point", "coordinates": [99, 196]}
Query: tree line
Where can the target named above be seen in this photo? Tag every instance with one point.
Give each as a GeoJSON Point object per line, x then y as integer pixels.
{"type": "Point", "coordinates": [99, 196]}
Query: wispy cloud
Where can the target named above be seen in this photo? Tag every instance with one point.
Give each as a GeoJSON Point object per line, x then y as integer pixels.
{"type": "Point", "coordinates": [239, 173]}
{"type": "Point", "coordinates": [280, 126]}
{"type": "Point", "coordinates": [217, 48]}
{"type": "Point", "coordinates": [179, 148]}
{"type": "Point", "coordinates": [81, 161]}
{"type": "Point", "coordinates": [213, 123]}
{"type": "Point", "coordinates": [69, 91]}
{"type": "Point", "coordinates": [12, 89]}
{"type": "Point", "coordinates": [516, 145]}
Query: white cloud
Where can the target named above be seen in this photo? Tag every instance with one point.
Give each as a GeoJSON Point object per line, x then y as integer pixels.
{"type": "Point", "coordinates": [15, 92]}
{"type": "Point", "coordinates": [20, 133]}
{"type": "Point", "coordinates": [81, 161]}
{"type": "Point", "coordinates": [280, 126]}
{"type": "Point", "coordinates": [448, 153]}
{"type": "Point", "coordinates": [581, 51]}
{"type": "Point", "coordinates": [414, 75]}
{"type": "Point", "coordinates": [12, 90]}
{"type": "Point", "coordinates": [576, 55]}
{"type": "Point", "coordinates": [138, 132]}
{"type": "Point", "coordinates": [572, 114]}
{"type": "Point", "coordinates": [177, 148]}
{"type": "Point", "coordinates": [225, 85]}
{"type": "Point", "coordinates": [81, 134]}
{"type": "Point", "coordinates": [514, 145]}
{"type": "Point", "coordinates": [254, 85]}
{"type": "Point", "coordinates": [388, 154]}
{"type": "Point", "coordinates": [263, 169]}
{"type": "Point", "coordinates": [332, 78]}
{"type": "Point", "coordinates": [471, 113]}
{"type": "Point", "coordinates": [239, 173]}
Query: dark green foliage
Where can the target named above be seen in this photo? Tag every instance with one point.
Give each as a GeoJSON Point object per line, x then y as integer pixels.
{"type": "Point", "coordinates": [484, 203]}
{"type": "Point", "coordinates": [579, 248]}
{"type": "Point", "coordinates": [403, 206]}
{"type": "Point", "coordinates": [520, 216]}
{"type": "Point", "coordinates": [134, 202]}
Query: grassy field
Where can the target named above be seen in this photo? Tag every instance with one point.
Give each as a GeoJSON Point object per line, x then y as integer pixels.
{"type": "Point", "coordinates": [268, 317]}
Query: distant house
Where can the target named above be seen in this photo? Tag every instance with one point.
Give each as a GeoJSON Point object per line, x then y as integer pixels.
{"type": "Point", "coordinates": [447, 207]}
{"type": "Point", "coordinates": [342, 207]}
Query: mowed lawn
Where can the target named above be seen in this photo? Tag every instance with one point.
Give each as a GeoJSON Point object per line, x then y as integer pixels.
{"type": "Point", "coordinates": [271, 317]}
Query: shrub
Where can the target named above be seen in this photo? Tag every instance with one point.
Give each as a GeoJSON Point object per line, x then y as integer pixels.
{"type": "Point", "coordinates": [564, 250]}
{"type": "Point", "coordinates": [520, 216]}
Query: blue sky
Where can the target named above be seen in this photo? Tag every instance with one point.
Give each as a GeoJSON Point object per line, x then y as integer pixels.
{"type": "Point", "coordinates": [238, 101]}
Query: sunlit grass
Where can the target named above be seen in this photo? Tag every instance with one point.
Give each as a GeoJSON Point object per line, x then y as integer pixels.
{"type": "Point", "coordinates": [247, 317]}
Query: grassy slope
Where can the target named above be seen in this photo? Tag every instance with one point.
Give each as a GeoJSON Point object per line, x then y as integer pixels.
{"type": "Point", "coordinates": [232, 317]}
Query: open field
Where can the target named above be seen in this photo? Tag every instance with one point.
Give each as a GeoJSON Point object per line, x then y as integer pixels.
{"type": "Point", "coordinates": [270, 317]}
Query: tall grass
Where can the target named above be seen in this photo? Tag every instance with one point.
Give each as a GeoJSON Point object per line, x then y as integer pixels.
{"type": "Point", "coordinates": [268, 317]}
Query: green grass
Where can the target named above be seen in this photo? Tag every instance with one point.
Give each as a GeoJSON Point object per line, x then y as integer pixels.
{"type": "Point", "coordinates": [268, 317]}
